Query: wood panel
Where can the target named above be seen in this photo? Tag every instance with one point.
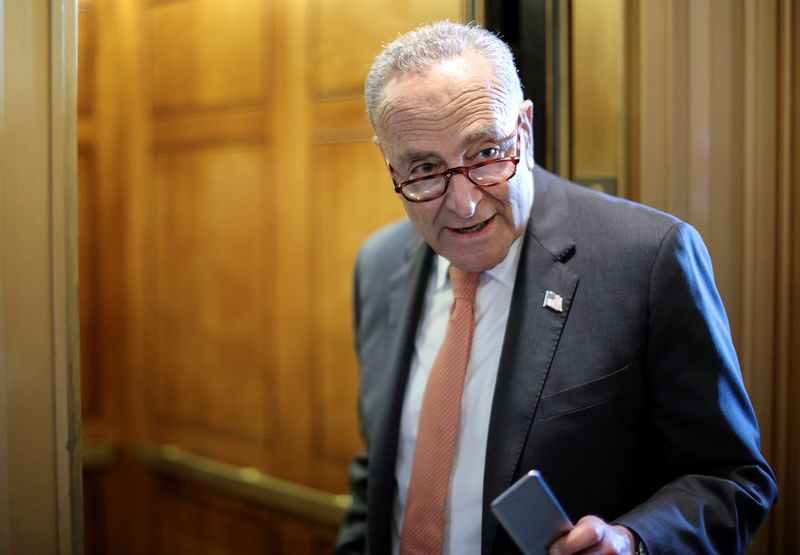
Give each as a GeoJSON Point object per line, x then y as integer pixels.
{"type": "Point", "coordinates": [192, 72]}
{"type": "Point", "coordinates": [355, 199]}
{"type": "Point", "coordinates": [597, 93]}
{"type": "Point", "coordinates": [346, 38]}
{"type": "Point", "coordinates": [212, 241]}
{"type": "Point", "coordinates": [201, 522]}
{"type": "Point", "coordinates": [714, 146]}
{"type": "Point", "coordinates": [214, 129]}
{"type": "Point", "coordinates": [95, 509]}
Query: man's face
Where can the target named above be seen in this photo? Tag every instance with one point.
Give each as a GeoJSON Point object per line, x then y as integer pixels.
{"type": "Point", "coordinates": [457, 114]}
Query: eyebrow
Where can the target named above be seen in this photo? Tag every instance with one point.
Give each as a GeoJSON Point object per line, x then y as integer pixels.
{"type": "Point", "coordinates": [415, 155]}
{"type": "Point", "coordinates": [481, 134]}
{"type": "Point", "coordinates": [491, 132]}
{"type": "Point", "coordinates": [495, 133]}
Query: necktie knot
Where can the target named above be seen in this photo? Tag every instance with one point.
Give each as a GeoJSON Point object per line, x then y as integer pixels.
{"type": "Point", "coordinates": [464, 284]}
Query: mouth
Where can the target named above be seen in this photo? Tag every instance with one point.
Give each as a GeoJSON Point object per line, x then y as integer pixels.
{"type": "Point", "coordinates": [474, 228]}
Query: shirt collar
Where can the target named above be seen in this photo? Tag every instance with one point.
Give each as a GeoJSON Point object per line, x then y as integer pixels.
{"type": "Point", "coordinates": [505, 272]}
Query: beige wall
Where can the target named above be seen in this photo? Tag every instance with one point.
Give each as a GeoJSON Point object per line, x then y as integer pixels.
{"type": "Point", "coordinates": [39, 478]}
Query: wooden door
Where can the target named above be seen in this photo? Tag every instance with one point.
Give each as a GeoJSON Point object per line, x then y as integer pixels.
{"type": "Point", "coordinates": [227, 180]}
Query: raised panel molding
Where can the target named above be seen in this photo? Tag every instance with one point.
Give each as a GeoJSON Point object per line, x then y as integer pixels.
{"type": "Point", "coordinates": [213, 129]}
{"type": "Point", "coordinates": [342, 120]}
{"type": "Point", "coordinates": [212, 292]}
{"type": "Point", "coordinates": [344, 41]}
{"type": "Point", "coordinates": [208, 55]}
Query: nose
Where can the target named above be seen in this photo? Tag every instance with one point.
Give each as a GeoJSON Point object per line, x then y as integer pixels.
{"type": "Point", "coordinates": [462, 196]}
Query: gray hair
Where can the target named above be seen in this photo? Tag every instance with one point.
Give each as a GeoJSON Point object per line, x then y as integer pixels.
{"type": "Point", "coordinates": [423, 47]}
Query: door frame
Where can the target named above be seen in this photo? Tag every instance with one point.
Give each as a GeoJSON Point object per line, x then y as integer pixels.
{"type": "Point", "coordinates": [40, 471]}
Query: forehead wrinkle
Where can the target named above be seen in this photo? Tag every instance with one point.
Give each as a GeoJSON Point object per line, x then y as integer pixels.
{"type": "Point", "coordinates": [404, 113]}
{"type": "Point", "coordinates": [438, 121]}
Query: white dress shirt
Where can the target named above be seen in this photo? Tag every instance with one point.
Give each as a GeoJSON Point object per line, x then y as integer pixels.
{"type": "Point", "coordinates": [465, 499]}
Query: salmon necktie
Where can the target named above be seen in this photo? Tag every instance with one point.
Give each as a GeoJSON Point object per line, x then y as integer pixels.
{"type": "Point", "coordinates": [437, 433]}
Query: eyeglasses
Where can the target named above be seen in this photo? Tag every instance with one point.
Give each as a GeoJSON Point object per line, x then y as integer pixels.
{"type": "Point", "coordinates": [483, 174]}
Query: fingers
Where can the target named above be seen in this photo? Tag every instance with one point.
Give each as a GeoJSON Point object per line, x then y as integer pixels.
{"type": "Point", "coordinates": [592, 535]}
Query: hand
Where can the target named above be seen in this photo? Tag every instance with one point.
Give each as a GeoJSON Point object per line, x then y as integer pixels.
{"type": "Point", "coordinates": [592, 535]}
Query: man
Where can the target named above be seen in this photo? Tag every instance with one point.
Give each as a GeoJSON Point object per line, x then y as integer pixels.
{"type": "Point", "coordinates": [585, 337]}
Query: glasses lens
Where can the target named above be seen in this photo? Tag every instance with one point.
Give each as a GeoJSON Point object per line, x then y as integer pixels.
{"type": "Point", "coordinates": [491, 174]}
{"type": "Point", "coordinates": [424, 189]}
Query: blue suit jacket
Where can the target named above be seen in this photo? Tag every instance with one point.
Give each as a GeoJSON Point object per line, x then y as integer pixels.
{"type": "Point", "coordinates": [629, 401]}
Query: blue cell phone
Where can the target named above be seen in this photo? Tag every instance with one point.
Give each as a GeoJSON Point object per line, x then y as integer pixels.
{"type": "Point", "coordinates": [531, 514]}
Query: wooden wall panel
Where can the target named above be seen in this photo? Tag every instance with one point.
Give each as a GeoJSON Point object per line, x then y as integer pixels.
{"type": "Point", "coordinates": [201, 522]}
{"type": "Point", "coordinates": [209, 54]}
{"type": "Point", "coordinates": [95, 506]}
{"type": "Point", "coordinates": [213, 129]}
{"type": "Point", "coordinates": [213, 290]}
{"type": "Point", "coordinates": [711, 136]}
{"type": "Point", "coordinates": [346, 38]}
{"type": "Point", "coordinates": [597, 156]}
{"type": "Point", "coordinates": [355, 198]}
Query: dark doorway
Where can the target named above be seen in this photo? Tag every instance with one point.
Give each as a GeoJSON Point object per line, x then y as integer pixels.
{"type": "Point", "coordinates": [531, 28]}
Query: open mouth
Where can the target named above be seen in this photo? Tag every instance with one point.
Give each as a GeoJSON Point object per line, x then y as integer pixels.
{"type": "Point", "coordinates": [475, 228]}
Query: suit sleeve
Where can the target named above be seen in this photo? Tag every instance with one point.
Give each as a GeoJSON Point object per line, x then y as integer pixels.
{"type": "Point", "coordinates": [721, 488]}
{"type": "Point", "coordinates": [353, 532]}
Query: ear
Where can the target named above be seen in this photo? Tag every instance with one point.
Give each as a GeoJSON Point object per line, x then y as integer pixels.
{"type": "Point", "coordinates": [526, 114]}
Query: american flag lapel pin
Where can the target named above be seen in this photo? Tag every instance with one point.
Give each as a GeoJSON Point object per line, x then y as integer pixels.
{"type": "Point", "coordinates": [553, 301]}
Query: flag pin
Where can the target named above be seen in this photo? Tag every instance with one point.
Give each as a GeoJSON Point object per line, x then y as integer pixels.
{"type": "Point", "coordinates": [553, 301]}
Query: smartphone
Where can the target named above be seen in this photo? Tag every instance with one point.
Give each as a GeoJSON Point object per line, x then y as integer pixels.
{"type": "Point", "coordinates": [531, 514]}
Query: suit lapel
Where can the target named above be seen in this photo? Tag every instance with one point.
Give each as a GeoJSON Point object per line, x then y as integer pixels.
{"type": "Point", "coordinates": [405, 295]}
{"type": "Point", "coordinates": [532, 335]}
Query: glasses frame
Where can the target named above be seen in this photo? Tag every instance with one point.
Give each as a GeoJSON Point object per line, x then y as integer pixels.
{"type": "Point", "coordinates": [463, 170]}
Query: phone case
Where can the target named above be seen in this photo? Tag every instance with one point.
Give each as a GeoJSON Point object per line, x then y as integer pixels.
{"type": "Point", "coordinates": [531, 514]}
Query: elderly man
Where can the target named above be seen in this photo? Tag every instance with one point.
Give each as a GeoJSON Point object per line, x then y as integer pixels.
{"type": "Point", "coordinates": [516, 321]}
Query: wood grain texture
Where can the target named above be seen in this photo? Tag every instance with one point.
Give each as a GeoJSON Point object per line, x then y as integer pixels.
{"type": "Point", "coordinates": [597, 79]}
{"type": "Point", "coordinates": [208, 54]}
{"type": "Point", "coordinates": [714, 127]}
{"type": "Point", "coordinates": [346, 38]}
{"type": "Point", "coordinates": [354, 199]}
{"type": "Point", "coordinates": [213, 246]}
